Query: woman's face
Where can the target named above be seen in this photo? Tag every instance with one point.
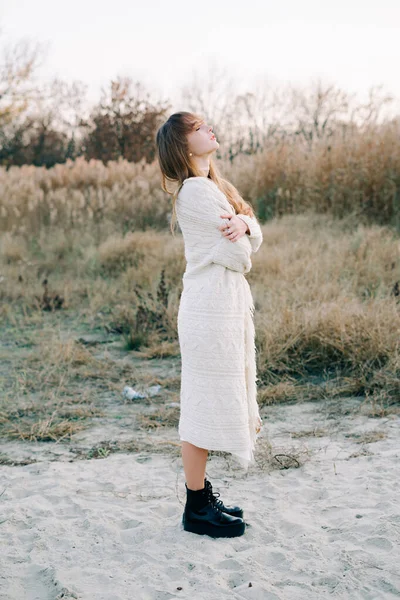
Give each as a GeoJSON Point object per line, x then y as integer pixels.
{"type": "Point", "coordinates": [202, 140]}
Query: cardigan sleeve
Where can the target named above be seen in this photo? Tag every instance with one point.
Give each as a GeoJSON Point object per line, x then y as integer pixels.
{"type": "Point", "coordinates": [198, 210]}
{"type": "Point", "coordinates": [255, 236]}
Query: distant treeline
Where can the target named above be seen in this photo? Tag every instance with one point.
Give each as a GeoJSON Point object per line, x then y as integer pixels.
{"type": "Point", "coordinates": [47, 123]}
{"type": "Point", "coordinates": [286, 152]}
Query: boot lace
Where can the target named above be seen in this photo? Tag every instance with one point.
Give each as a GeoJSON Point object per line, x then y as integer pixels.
{"type": "Point", "coordinates": [213, 496]}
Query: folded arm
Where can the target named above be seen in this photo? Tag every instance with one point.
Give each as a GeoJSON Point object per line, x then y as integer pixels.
{"type": "Point", "coordinates": [255, 236]}
{"type": "Point", "coordinates": [198, 209]}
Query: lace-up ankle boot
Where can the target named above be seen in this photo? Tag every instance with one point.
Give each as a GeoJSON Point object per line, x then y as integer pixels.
{"type": "Point", "coordinates": [202, 516]}
{"type": "Point", "coordinates": [235, 511]}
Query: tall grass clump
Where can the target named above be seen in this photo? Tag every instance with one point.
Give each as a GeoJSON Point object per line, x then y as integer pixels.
{"type": "Point", "coordinates": [328, 305]}
{"type": "Point", "coordinates": [352, 172]}
{"type": "Point", "coordinates": [356, 174]}
{"type": "Point", "coordinates": [82, 193]}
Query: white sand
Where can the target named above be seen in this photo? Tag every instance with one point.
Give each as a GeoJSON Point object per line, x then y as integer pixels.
{"type": "Point", "coordinates": [110, 529]}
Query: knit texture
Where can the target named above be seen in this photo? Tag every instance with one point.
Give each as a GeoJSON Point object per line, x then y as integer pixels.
{"type": "Point", "coordinates": [219, 409]}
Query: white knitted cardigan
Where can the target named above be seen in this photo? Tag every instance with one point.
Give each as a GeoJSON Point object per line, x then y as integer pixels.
{"type": "Point", "coordinates": [219, 409]}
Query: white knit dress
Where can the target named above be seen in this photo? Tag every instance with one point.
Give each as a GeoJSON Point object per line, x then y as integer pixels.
{"type": "Point", "coordinates": [218, 409]}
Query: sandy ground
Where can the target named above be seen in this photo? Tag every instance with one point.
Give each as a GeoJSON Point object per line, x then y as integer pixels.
{"type": "Point", "coordinates": [110, 528]}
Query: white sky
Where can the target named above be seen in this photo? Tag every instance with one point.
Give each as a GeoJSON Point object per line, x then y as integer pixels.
{"type": "Point", "coordinates": [353, 43]}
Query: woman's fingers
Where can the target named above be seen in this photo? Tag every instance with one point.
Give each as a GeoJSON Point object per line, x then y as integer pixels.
{"type": "Point", "coordinates": [234, 226]}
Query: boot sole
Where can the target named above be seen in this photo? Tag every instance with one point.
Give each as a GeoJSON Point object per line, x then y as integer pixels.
{"type": "Point", "coordinates": [235, 514]}
{"type": "Point", "coordinates": [204, 528]}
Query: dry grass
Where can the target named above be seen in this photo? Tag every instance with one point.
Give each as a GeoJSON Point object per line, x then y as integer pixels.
{"type": "Point", "coordinates": [316, 432]}
{"type": "Point", "coordinates": [80, 192]}
{"type": "Point", "coordinates": [326, 290]}
{"type": "Point", "coordinates": [368, 437]}
{"type": "Point", "coordinates": [327, 311]}
{"type": "Point", "coordinates": [107, 447]}
{"type": "Point", "coordinates": [52, 388]}
{"type": "Point", "coordinates": [162, 417]}
{"type": "Point", "coordinates": [355, 174]}
{"type": "Point", "coordinates": [43, 430]}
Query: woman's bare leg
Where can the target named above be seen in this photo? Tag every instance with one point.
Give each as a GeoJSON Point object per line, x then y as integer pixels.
{"type": "Point", "coordinates": [194, 464]}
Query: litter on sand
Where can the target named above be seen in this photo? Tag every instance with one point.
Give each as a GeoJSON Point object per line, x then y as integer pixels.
{"type": "Point", "coordinates": [131, 394]}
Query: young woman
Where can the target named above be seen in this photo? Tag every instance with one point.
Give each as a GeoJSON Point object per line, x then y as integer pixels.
{"type": "Point", "coordinates": [219, 409]}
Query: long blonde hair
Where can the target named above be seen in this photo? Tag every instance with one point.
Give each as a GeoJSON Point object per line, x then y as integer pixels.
{"type": "Point", "coordinates": [172, 152]}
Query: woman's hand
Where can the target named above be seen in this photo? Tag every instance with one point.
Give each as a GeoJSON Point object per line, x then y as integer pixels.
{"type": "Point", "coordinates": [235, 229]}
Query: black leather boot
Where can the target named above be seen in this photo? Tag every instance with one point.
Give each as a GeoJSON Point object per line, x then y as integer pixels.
{"type": "Point", "coordinates": [235, 511]}
{"type": "Point", "coordinates": [202, 516]}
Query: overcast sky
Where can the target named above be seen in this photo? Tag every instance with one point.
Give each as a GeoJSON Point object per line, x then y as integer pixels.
{"type": "Point", "coordinates": [353, 43]}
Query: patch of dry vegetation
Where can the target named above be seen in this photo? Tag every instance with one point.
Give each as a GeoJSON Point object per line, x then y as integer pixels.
{"type": "Point", "coordinates": [162, 417]}
{"type": "Point", "coordinates": [368, 437]}
{"type": "Point", "coordinates": [327, 311]}
{"type": "Point", "coordinates": [326, 290]}
{"type": "Point", "coordinates": [80, 192]}
{"type": "Point", "coordinates": [353, 171]}
{"type": "Point", "coordinates": [54, 389]}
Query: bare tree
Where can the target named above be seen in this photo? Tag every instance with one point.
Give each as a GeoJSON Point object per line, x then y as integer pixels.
{"type": "Point", "coordinates": [369, 112]}
{"type": "Point", "coordinates": [213, 96]}
{"type": "Point", "coordinates": [58, 104]}
{"type": "Point", "coordinates": [38, 122]}
{"type": "Point", "coordinates": [17, 69]}
{"type": "Point", "coordinates": [244, 122]}
{"type": "Point", "coordinates": [316, 109]}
